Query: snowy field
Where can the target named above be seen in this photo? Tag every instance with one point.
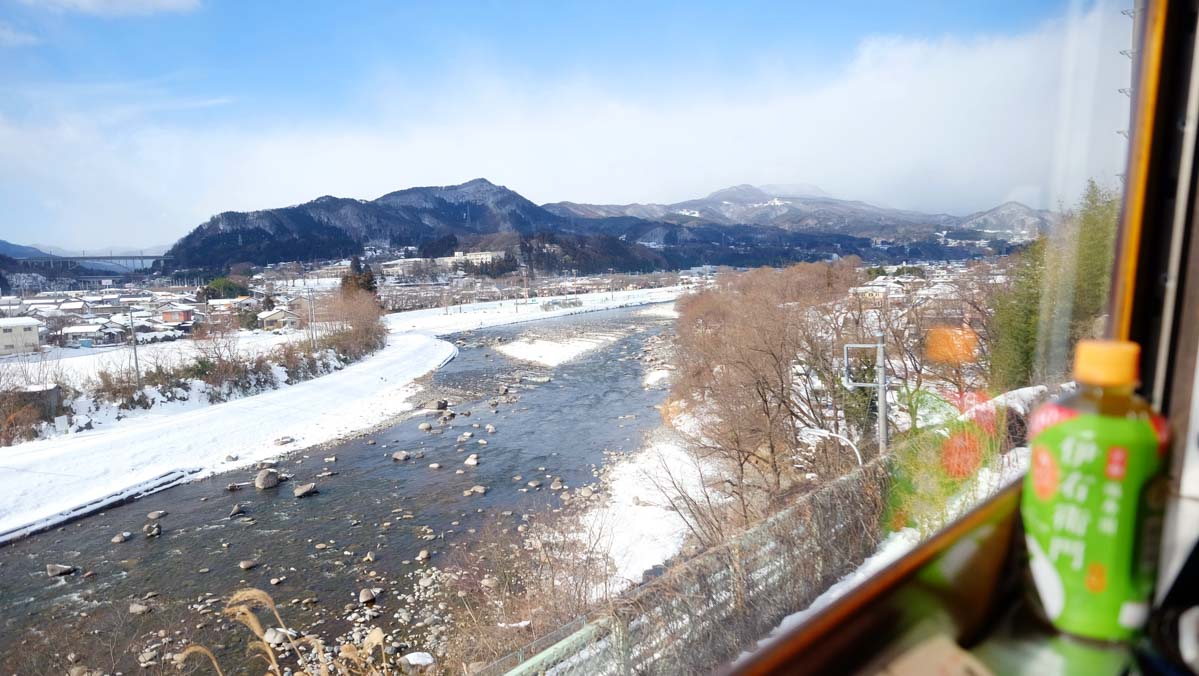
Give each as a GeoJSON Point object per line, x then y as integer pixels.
{"type": "Point", "coordinates": [52, 480]}
{"type": "Point", "coordinates": [77, 366]}
{"type": "Point", "coordinates": [314, 283]}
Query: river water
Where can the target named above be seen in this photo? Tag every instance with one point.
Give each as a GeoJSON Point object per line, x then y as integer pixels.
{"type": "Point", "coordinates": [592, 404]}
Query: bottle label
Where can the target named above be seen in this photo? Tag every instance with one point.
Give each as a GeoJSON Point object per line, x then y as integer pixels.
{"type": "Point", "coordinates": [1091, 506]}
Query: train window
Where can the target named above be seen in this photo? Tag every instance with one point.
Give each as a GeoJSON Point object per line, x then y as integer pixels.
{"type": "Point", "coordinates": [794, 280]}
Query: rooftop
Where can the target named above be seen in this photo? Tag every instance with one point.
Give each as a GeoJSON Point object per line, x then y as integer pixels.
{"type": "Point", "coordinates": [19, 321]}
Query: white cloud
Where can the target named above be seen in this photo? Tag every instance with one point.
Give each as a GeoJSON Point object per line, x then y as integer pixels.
{"type": "Point", "coordinates": [11, 37]}
{"type": "Point", "coordinates": [117, 7]}
{"type": "Point", "coordinates": [947, 125]}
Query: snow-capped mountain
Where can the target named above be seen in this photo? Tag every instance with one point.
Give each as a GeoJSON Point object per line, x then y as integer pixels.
{"type": "Point", "coordinates": [805, 208]}
{"type": "Point", "coordinates": [749, 221]}
{"type": "Point", "coordinates": [1011, 220]}
{"type": "Point", "coordinates": [793, 208]}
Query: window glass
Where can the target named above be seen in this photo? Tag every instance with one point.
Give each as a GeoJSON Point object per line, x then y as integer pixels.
{"type": "Point", "coordinates": [599, 337]}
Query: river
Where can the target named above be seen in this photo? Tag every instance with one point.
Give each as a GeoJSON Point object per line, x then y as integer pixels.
{"type": "Point", "coordinates": [562, 428]}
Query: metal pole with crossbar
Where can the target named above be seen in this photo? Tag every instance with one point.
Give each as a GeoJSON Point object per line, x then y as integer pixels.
{"type": "Point", "coordinates": [879, 384]}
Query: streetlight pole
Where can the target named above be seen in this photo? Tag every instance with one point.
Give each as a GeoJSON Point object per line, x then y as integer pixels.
{"type": "Point", "coordinates": [825, 433]}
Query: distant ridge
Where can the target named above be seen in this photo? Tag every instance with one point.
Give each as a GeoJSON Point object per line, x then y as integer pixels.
{"type": "Point", "coordinates": [730, 226]}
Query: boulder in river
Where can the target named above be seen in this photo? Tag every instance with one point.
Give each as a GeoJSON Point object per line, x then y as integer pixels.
{"type": "Point", "coordinates": [237, 510]}
{"type": "Point", "coordinates": [247, 564]}
{"type": "Point", "coordinates": [304, 490]}
{"type": "Point", "coordinates": [152, 529]}
{"type": "Point", "coordinates": [422, 555]}
{"type": "Point", "coordinates": [534, 484]}
{"type": "Point", "coordinates": [123, 536]}
{"type": "Point", "coordinates": [434, 465]}
{"type": "Point", "coordinates": [368, 596]}
{"type": "Point", "coordinates": [489, 428]}
{"type": "Point", "coordinates": [425, 427]}
{"type": "Point", "coordinates": [156, 515]}
{"type": "Point", "coordinates": [401, 456]}
{"type": "Point", "coordinates": [58, 569]}
{"type": "Point", "coordinates": [267, 478]}
{"type": "Point", "coordinates": [471, 460]}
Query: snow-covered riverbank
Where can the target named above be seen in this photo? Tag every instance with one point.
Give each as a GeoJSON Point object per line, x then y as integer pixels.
{"type": "Point", "coordinates": [45, 482]}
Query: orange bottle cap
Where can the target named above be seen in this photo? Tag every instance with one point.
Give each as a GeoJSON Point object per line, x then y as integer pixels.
{"type": "Point", "coordinates": [1106, 363]}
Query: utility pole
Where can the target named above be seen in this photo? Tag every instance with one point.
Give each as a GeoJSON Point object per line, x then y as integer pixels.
{"type": "Point", "coordinates": [311, 321]}
{"type": "Point", "coordinates": [137, 370]}
{"type": "Point", "coordinates": [879, 384]}
{"type": "Point", "coordinates": [880, 368]}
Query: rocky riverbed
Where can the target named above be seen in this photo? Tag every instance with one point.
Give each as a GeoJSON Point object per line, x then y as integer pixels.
{"type": "Point", "coordinates": [347, 537]}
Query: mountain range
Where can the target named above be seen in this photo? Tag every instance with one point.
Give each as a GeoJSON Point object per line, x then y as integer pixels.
{"type": "Point", "coordinates": [739, 225]}
{"type": "Point", "coordinates": [742, 224]}
{"type": "Point", "coordinates": [19, 250]}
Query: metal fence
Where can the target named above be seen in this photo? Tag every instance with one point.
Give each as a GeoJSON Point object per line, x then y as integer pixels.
{"type": "Point", "coordinates": [706, 610]}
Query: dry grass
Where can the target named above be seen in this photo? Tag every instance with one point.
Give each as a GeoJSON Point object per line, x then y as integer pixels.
{"type": "Point", "coordinates": [298, 654]}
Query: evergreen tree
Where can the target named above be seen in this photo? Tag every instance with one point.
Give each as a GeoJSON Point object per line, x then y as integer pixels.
{"type": "Point", "coordinates": [223, 287]}
{"type": "Point", "coordinates": [1058, 294]}
{"type": "Point", "coordinates": [1014, 326]}
{"type": "Point", "coordinates": [366, 280]}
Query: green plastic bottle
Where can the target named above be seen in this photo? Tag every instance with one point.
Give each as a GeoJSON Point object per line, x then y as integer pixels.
{"type": "Point", "coordinates": [1094, 497]}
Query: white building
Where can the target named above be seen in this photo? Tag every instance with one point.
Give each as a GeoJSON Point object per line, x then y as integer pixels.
{"type": "Point", "coordinates": [19, 335]}
{"type": "Point", "coordinates": [407, 266]}
{"type": "Point", "coordinates": [474, 257]}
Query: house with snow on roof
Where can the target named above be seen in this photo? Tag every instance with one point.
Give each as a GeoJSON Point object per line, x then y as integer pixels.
{"type": "Point", "coordinates": [19, 335]}
{"type": "Point", "coordinates": [278, 318]}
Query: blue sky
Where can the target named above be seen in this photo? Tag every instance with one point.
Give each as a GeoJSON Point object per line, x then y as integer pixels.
{"type": "Point", "coordinates": [146, 116]}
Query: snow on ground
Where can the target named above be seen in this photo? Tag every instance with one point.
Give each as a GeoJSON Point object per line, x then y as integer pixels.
{"type": "Point", "coordinates": [49, 481]}
{"type": "Point", "coordinates": [79, 365]}
{"type": "Point", "coordinates": [655, 377]}
{"type": "Point", "coordinates": [892, 548]}
{"type": "Point", "coordinates": [41, 481]}
{"type": "Point", "coordinates": [315, 283]}
{"type": "Point", "coordinates": [554, 352]}
{"type": "Point", "coordinates": [441, 321]}
{"type": "Point", "coordinates": [664, 311]}
{"type": "Point", "coordinates": [635, 524]}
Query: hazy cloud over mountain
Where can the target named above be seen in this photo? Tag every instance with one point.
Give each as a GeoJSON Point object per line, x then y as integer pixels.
{"type": "Point", "coordinates": [941, 125]}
